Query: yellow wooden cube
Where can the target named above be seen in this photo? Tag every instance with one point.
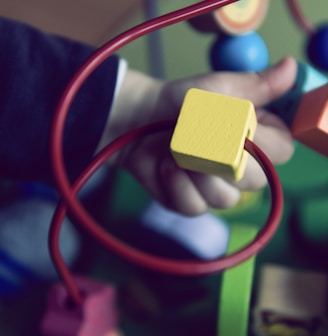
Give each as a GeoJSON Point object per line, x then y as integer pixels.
{"type": "Point", "coordinates": [210, 133]}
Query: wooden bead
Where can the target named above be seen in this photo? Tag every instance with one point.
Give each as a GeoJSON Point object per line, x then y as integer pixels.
{"type": "Point", "coordinates": [242, 16]}
{"type": "Point", "coordinates": [97, 315]}
{"type": "Point", "coordinates": [210, 133]}
{"type": "Point", "coordinates": [290, 301]}
{"type": "Point", "coordinates": [310, 125]}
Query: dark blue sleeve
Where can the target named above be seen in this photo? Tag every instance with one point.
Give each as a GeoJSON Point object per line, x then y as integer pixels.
{"type": "Point", "coordinates": [35, 68]}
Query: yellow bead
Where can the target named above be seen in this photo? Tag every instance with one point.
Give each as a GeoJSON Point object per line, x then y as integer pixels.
{"type": "Point", "coordinates": [210, 133]}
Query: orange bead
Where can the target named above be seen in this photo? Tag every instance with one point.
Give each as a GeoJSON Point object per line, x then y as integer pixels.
{"type": "Point", "coordinates": [310, 124]}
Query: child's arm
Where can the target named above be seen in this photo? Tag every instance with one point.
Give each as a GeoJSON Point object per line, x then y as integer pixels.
{"type": "Point", "coordinates": [34, 71]}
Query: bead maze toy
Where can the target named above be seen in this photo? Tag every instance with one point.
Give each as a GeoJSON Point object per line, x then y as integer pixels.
{"type": "Point", "coordinates": [69, 195]}
{"type": "Point", "coordinates": [185, 156]}
{"type": "Point", "coordinates": [303, 109]}
{"type": "Point", "coordinates": [80, 306]}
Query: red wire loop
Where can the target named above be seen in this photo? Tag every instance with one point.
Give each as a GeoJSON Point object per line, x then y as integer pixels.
{"type": "Point", "coordinates": [144, 259]}
{"type": "Point", "coordinates": [299, 17]}
{"type": "Point", "coordinates": [69, 192]}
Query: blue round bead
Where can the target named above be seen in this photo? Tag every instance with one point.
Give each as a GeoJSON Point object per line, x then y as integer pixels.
{"type": "Point", "coordinates": [317, 48]}
{"type": "Point", "coordinates": [246, 52]}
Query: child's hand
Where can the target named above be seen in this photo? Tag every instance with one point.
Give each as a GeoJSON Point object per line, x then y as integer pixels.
{"type": "Point", "coordinates": [150, 160]}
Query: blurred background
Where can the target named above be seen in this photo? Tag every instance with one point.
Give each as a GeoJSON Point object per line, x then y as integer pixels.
{"type": "Point", "coordinates": [97, 21]}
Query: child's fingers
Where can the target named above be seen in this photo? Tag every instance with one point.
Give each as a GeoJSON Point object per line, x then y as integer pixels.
{"type": "Point", "coordinates": [217, 192]}
{"type": "Point", "coordinates": [276, 143]}
{"type": "Point", "coordinates": [261, 88]}
{"type": "Point", "coordinates": [179, 191]}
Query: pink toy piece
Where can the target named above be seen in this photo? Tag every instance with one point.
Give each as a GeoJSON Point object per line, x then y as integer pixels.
{"type": "Point", "coordinates": [97, 315]}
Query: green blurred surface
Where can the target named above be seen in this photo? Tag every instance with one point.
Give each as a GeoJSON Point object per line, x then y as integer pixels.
{"type": "Point", "coordinates": [236, 289]}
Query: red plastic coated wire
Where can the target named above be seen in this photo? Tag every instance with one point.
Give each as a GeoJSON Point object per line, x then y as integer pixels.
{"type": "Point", "coordinates": [68, 192]}
{"type": "Point", "coordinates": [144, 259]}
{"type": "Point", "coordinates": [300, 19]}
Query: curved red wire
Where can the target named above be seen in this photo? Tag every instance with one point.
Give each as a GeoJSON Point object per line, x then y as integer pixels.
{"type": "Point", "coordinates": [68, 192]}
{"type": "Point", "coordinates": [144, 259]}
{"type": "Point", "coordinates": [299, 17]}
